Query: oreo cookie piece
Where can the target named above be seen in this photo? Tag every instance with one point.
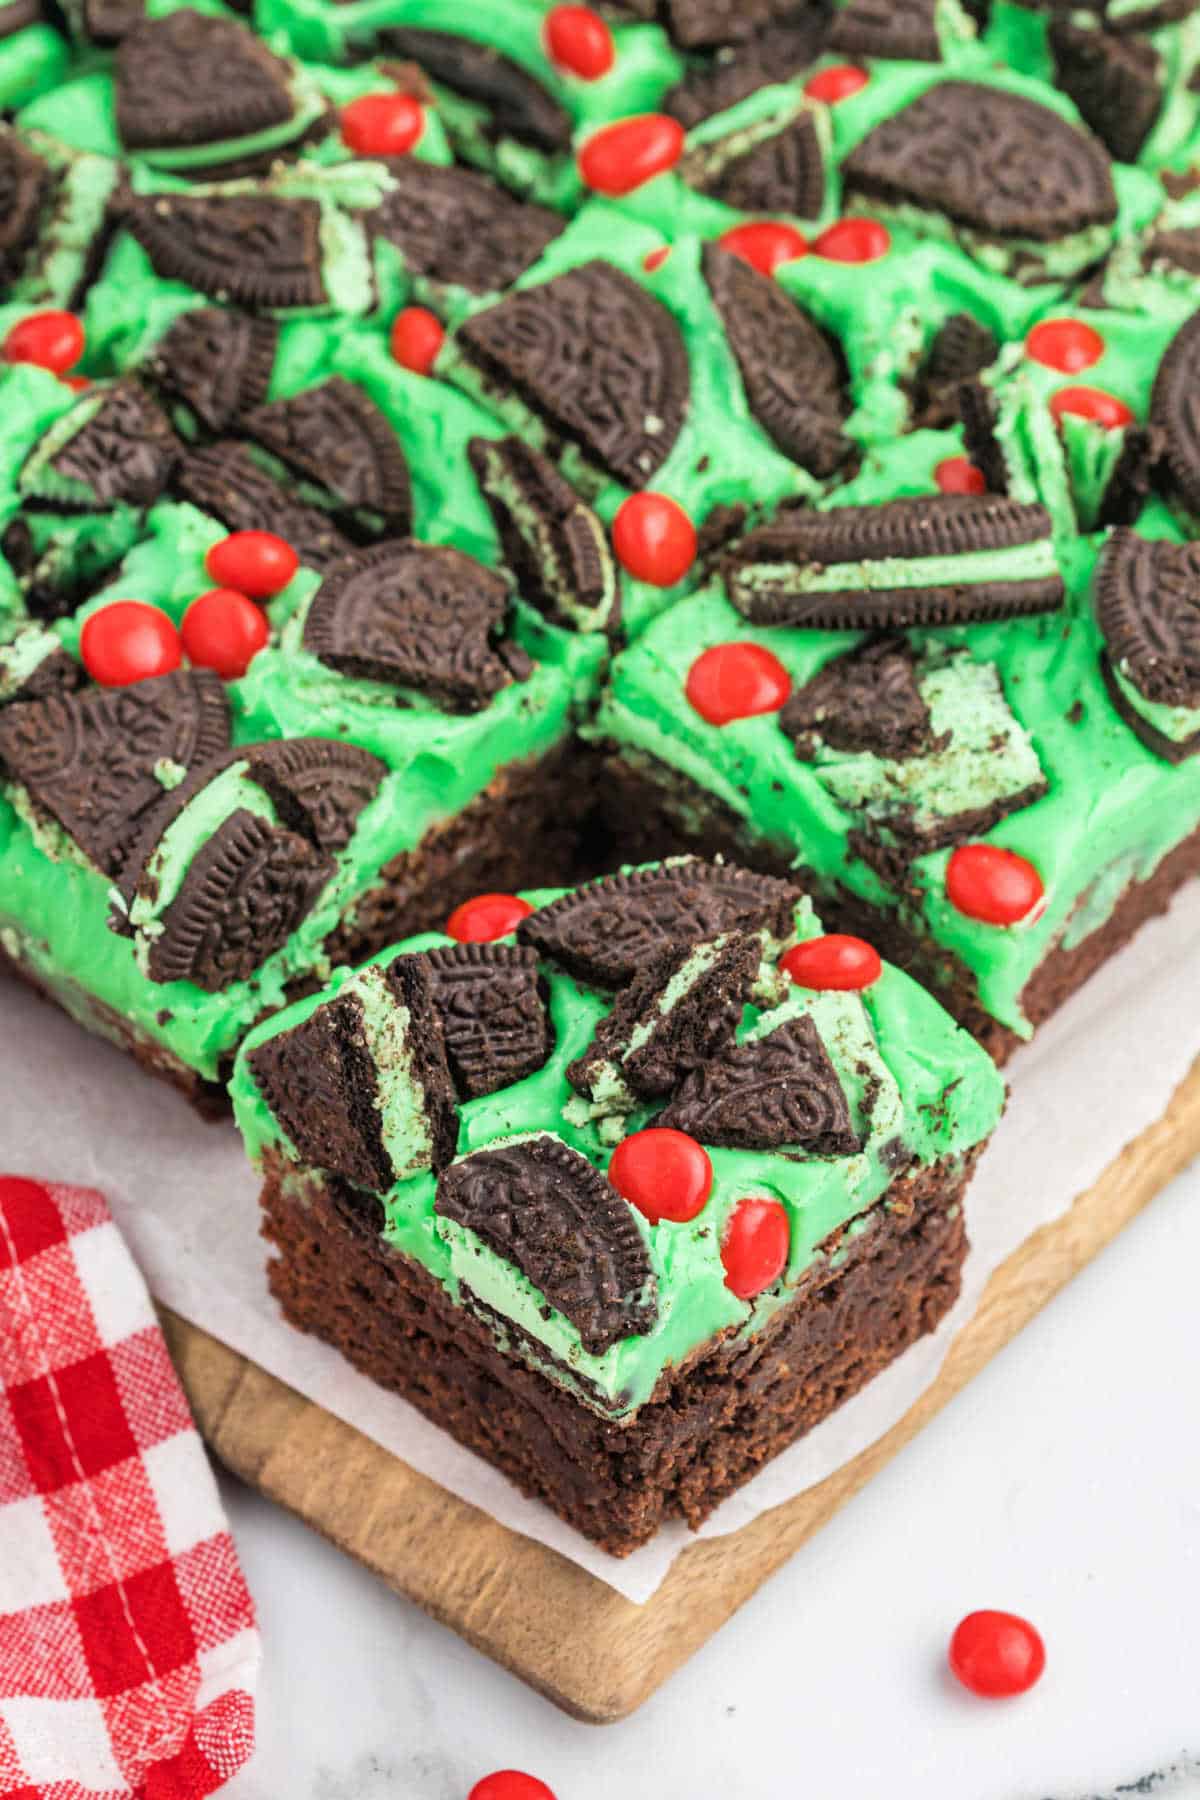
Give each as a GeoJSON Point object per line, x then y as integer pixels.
{"type": "Point", "coordinates": [867, 700]}
{"type": "Point", "coordinates": [334, 437]}
{"type": "Point", "coordinates": [961, 349]}
{"type": "Point", "coordinates": [709, 24]}
{"type": "Point", "coordinates": [223, 479]}
{"type": "Point", "coordinates": [777, 168]}
{"type": "Point", "coordinates": [494, 1023]}
{"type": "Point", "coordinates": [1175, 410]}
{"type": "Point", "coordinates": [1148, 610]}
{"type": "Point", "coordinates": [595, 357]}
{"type": "Point", "coordinates": [1116, 82]}
{"type": "Point", "coordinates": [27, 186]}
{"type": "Point", "coordinates": [416, 616]}
{"type": "Point", "coordinates": [555, 545]}
{"type": "Point", "coordinates": [1178, 248]}
{"type": "Point", "coordinates": [34, 665]}
{"type": "Point", "coordinates": [792, 374]}
{"type": "Point", "coordinates": [115, 445]}
{"type": "Point", "coordinates": [92, 762]}
{"type": "Point", "coordinates": [457, 228]}
{"type": "Point", "coordinates": [318, 786]}
{"type": "Point", "coordinates": [542, 1207]}
{"type": "Point", "coordinates": [102, 23]}
{"type": "Point", "coordinates": [778, 52]}
{"type": "Point", "coordinates": [779, 1089]}
{"type": "Point", "coordinates": [16, 15]}
{"type": "Point", "coordinates": [946, 559]}
{"type": "Point", "coordinates": [991, 161]}
{"type": "Point", "coordinates": [516, 104]}
{"type": "Point", "coordinates": [191, 79]}
{"type": "Point", "coordinates": [607, 931]}
{"type": "Point", "coordinates": [217, 362]}
{"type": "Point", "coordinates": [261, 251]}
{"type": "Point", "coordinates": [906, 29]}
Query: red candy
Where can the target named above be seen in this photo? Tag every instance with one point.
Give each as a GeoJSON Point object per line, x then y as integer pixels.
{"type": "Point", "coordinates": [486, 918]}
{"type": "Point", "coordinates": [129, 641]}
{"type": "Point", "coordinates": [997, 1654]}
{"type": "Point", "coordinates": [620, 157]}
{"type": "Point", "coordinates": [665, 1174]}
{"type": "Point", "coordinates": [764, 244]}
{"type": "Point", "coordinates": [51, 340]}
{"type": "Point", "coordinates": [736, 681]}
{"type": "Point", "coordinates": [1091, 403]}
{"type": "Point", "coordinates": [835, 961]}
{"type": "Point", "coordinates": [654, 259]}
{"type": "Point", "coordinates": [654, 539]}
{"type": "Point", "coordinates": [223, 630]}
{"type": "Point", "coordinates": [417, 336]}
{"type": "Point", "coordinates": [958, 475]}
{"type": "Point", "coordinates": [755, 1250]}
{"type": "Point", "coordinates": [832, 85]}
{"type": "Point", "coordinates": [577, 39]}
{"type": "Point", "coordinates": [254, 562]}
{"type": "Point", "coordinates": [1064, 344]}
{"type": "Point", "coordinates": [382, 124]}
{"type": "Point", "coordinates": [994, 885]}
{"type": "Point", "coordinates": [510, 1784]}
{"type": "Point", "coordinates": [853, 241]}
{"type": "Point", "coordinates": [76, 383]}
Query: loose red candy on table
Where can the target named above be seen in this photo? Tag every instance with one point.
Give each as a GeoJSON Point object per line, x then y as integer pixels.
{"type": "Point", "coordinates": [853, 241]}
{"type": "Point", "coordinates": [993, 885]}
{"type": "Point", "coordinates": [1091, 403]}
{"type": "Point", "coordinates": [755, 1247]}
{"type": "Point", "coordinates": [510, 1784]}
{"type": "Point", "coordinates": [487, 917]}
{"type": "Point", "coordinates": [577, 39]}
{"type": "Point", "coordinates": [997, 1654]}
{"type": "Point", "coordinates": [129, 641]}
{"type": "Point", "coordinates": [836, 961]}
{"type": "Point", "coordinates": [223, 631]}
{"type": "Point", "coordinates": [254, 562]}
{"type": "Point", "coordinates": [958, 475]}
{"type": "Point", "coordinates": [417, 336]}
{"type": "Point", "coordinates": [832, 85]}
{"type": "Point", "coordinates": [1067, 345]}
{"type": "Point", "coordinates": [620, 157]}
{"type": "Point", "coordinates": [665, 1174]}
{"type": "Point", "coordinates": [737, 681]}
{"type": "Point", "coordinates": [382, 124]}
{"type": "Point", "coordinates": [51, 340]}
{"type": "Point", "coordinates": [765, 243]}
{"type": "Point", "coordinates": [654, 539]}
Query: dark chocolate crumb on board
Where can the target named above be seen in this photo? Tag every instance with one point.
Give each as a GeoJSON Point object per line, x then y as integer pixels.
{"type": "Point", "coordinates": [217, 362]}
{"type": "Point", "coordinates": [780, 1089]}
{"type": "Point", "coordinates": [494, 1022]}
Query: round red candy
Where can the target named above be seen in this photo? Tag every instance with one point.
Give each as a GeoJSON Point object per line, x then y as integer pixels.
{"type": "Point", "coordinates": [417, 336]}
{"type": "Point", "coordinates": [654, 259]}
{"type": "Point", "coordinates": [654, 539]}
{"type": "Point", "coordinates": [765, 243]}
{"type": "Point", "coordinates": [620, 157]}
{"type": "Point", "coordinates": [382, 124]}
{"type": "Point", "coordinates": [1067, 345]}
{"type": "Point", "coordinates": [1091, 403]}
{"type": "Point", "coordinates": [129, 641]}
{"type": "Point", "coordinates": [736, 681]}
{"type": "Point", "coordinates": [991, 884]}
{"type": "Point", "coordinates": [578, 40]}
{"type": "Point", "coordinates": [853, 241]}
{"type": "Point", "coordinates": [510, 1784]}
{"type": "Point", "coordinates": [836, 961]}
{"type": "Point", "coordinates": [223, 631]}
{"type": "Point", "coordinates": [665, 1174]}
{"type": "Point", "coordinates": [487, 917]}
{"type": "Point", "coordinates": [755, 1248]}
{"type": "Point", "coordinates": [51, 340]}
{"type": "Point", "coordinates": [254, 562]}
{"type": "Point", "coordinates": [997, 1654]}
{"type": "Point", "coordinates": [832, 85]}
{"type": "Point", "coordinates": [958, 475]}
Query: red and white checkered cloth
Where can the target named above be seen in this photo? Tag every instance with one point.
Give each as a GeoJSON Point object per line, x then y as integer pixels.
{"type": "Point", "coordinates": [128, 1648]}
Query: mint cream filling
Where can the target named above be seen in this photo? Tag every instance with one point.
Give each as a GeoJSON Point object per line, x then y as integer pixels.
{"type": "Point", "coordinates": [400, 1101]}
{"type": "Point", "coordinates": [1175, 722]}
{"type": "Point", "coordinates": [1016, 562]}
{"type": "Point", "coordinates": [23, 655]}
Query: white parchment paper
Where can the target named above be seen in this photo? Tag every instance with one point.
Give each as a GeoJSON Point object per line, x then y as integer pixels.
{"type": "Point", "coordinates": [73, 1109]}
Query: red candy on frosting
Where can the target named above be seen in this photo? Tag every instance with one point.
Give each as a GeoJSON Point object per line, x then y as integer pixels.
{"type": "Point", "coordinates": [487, 917]}
{"type": "Point", "coordinates": [578, 40]}
{"type": "Point", "coordinates": [755, 1246]}
{"type": "Point", "coordinates": [993, 885]}
{"type": "Point", "coordinates": [128, 641]}
{"type": "Point", "coordinates": [416, 338]}
{"type": "Point", "coordinates": [654, 539]}
{"type": "Point", "coordinates": [665, 1174]}
{"type": "Point", "coordinates": [654, 259]}
{"type": "Point", "coordinates": [737, 681]}
{"type": "Point", "coordinates": [836, 961]}
{"type": "Point", "coordinates": [254, 562]}
{"type": "Point", "coordinates": [958, 475]}
{"type": "Point", "coordinates": [853, 241]}
{"type": "Point", "coordinates": [223, 631]}
{"type": "Point", "coordinates": [765, 243]}
{"type": "Point", "coordinates": [1091, 403]}
{"type": "Point", "coordinates": [382, 124]}
{"type": "Point", "coordinates": [997, 1654]}
{"type": "Point", "coordinates": [50, 340]}
{"type": "Point", "coordinates": [838, 83]}
{"type": "Point", "coordinates": [1067, 345]}
{"type": "Point", "coordinates": [620, 157]}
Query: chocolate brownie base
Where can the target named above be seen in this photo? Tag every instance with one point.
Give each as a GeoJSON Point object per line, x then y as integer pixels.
{"type": "Point", "coordinates": [710, 1424]}
{"type": "Point", "coordinates": [667, 811]}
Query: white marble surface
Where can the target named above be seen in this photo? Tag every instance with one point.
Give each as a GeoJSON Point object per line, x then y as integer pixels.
{"type": "Point", "coordinates": [1064, 1483]}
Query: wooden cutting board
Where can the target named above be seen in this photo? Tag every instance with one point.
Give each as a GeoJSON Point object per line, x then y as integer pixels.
{"type": "Point", "coordinates": [565, 1633]}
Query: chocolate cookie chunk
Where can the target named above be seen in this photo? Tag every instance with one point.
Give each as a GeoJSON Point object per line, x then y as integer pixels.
{"type": "Point", "coordinates": [217, 362]}
{"type": "Point", "coordinates": [1116, 82]}
{"type": "Point", "coordinates": [334, 437]}
{"type": "Point", "coordinates": [1175, 410]}
{"type": "Point", "coordinates": [781, 1089]}
{"type": "Point", "coordinates": [896, 28]}
{"type": "Point", "coordinates": [252, 250]}
{"type": "Point", "coordinates": [318, 786]}
{"type": "Point", "coordinates": [784, 172]}
{"type": "Point", "coordinates": [867, 700]}
{"type": "Point", "coordinates": [26, 187]}
{"type": "Point", "coordinates": [545, 1209]}
{"type": "Point", "coordinates": [17, 14]}
{"type": "Point", "coordinates": [779, 52]}
{"type": "Point", "coordinates": [494, 1024]}
{"type": "Point", "coordinates": [554, 544]}
{"type": "Point", "coordinates": [414, 615]}
{"type": "Point", "coordinates": [26, 677]}
{"type": "Point", "coordinates": [595, 356]}
{"type": "Point", "coordinates": [456, 227]}
{"type": "Point", "coordinates": [991, 161]}
{"type": "Point", "coordinates": [708, 24]}
{"type": "Point", "coordinates": [814, 569]}
{"type": "Point", "coordinates": [516, 103]}
{"type": "Point", "coordinates": [609, 930]}
{"type": "Point", "coordinates": [792, 374]}
{"type": "Point", "coordinates": [122, 450]}
{"type": "Point", "coordinates": [223, 479]}
{"type": "Point", "coordinates": [91, 761]}
{"type": "Point", "coordinates": [190, 78]}
{"type": "Point", "coordinates": [1178, 248]}
{"type": "Point", "coordinates": [960, 350]}
{"type": "Point", "coordinates": [102, 23]}
{"type": "Point", "coordinates": [1148, 609]}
